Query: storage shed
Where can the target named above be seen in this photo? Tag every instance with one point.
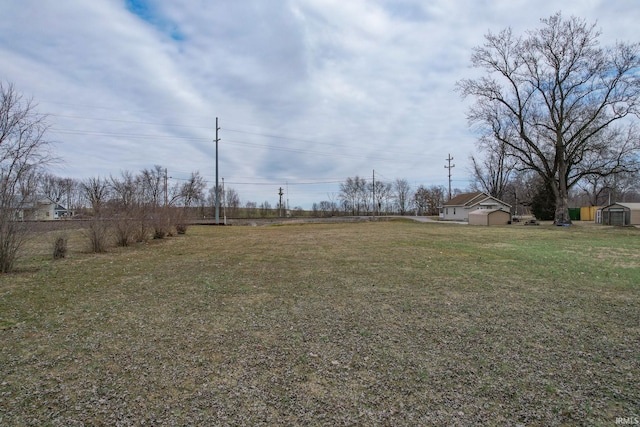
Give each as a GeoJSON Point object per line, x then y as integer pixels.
{"type": "Point", "coordinates": [621, 214]}
{"type": "Point", "coordinates": [588, 213]}
{"type": "Point", "coordinates": [489, 217]}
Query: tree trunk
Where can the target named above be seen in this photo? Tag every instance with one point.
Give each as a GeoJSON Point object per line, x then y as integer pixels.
{"type": "Point", "coordinates": [562, 198]}
{"type": "Point", "coordinates": [562, 210]}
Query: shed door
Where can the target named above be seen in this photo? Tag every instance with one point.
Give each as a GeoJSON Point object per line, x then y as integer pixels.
{"type": "Point", "coordinates": [616, 217]}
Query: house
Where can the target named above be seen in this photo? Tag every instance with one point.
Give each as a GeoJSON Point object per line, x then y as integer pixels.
{"type": "Point", "coordinates": [458, 208]}
{"type": "Point", "coordinates": [620, 214]}
{"type": "Point", "coordinates": [44, 209]}
{"type": "Point", "coordinates": [489, 217]}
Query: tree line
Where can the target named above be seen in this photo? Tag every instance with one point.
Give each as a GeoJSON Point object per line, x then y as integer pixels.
{"type": "Point", "coordinates": [358, 196]}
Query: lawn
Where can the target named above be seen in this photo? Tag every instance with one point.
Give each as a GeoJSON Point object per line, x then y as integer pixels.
{"type": "Point", "coordinates": [377, 323]}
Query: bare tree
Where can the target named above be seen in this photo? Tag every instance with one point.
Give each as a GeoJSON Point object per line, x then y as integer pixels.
{"type": "Point", "coordinates": [381, 194]}
{"type": "Point", "coordinates": [231, 201]}
{"type": "Point", "coordinates": [52, 187]}
{"type": "Point", "coordinates": [265, 209]}
{"type": "Point", "coordinates": [152, 185]}
{"type": "Point", "coordinates": [125, 207]}
{"type": "Point", "coordinates": [24, 151]}
{"type": "Point", "coordinates": [192, 190]}
{"type": "Point", "coordinates": [96, 191]}
{"type": "Point", "coordinates": [493, 173]}
{"type": "Point", "coordinates": [125, 191]}
{"type": "Point", "coordinates": [402, 195]}
{"type": "Point", "coordinates": [428, 200]}
{"type": "Point", "coordinates": [556, 97]}
{"type": "Point", "coordinates": [251, 208]}
{"type": "Point", "coordinates": [354, 195]}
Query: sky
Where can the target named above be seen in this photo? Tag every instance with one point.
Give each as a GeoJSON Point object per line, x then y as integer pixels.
{"type": "Point", "coordinates": [306, 92]}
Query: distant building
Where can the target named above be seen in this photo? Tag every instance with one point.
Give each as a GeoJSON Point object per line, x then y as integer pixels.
{"type": "Point", "coordinates": [43, 209]}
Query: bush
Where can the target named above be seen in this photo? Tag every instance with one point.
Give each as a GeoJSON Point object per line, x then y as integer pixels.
{"type": "Point", "coordinates": [159, 233]}
{"type": "Point", "coordinates": [124, 231]}
{"type": "Point", "coordinates": [60, 247]}
{"type": "Point", "coordinates": [98, 235]}
{"type": "Point", "coordinates": [181, 228]}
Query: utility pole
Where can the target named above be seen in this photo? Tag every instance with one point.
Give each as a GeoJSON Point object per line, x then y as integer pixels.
{"type": "Point", "coordinates": [280, 193]}
{"type": "Point", "coordinates": [217, 189]}
{"type": "Point", "coordinates": [166, 194]}
{"type": "Point", "coordinates": [373, 188]}
{"type": "Point", "coordinates": [449, 166]}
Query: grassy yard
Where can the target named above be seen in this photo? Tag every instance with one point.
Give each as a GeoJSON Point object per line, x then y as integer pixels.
{"type": "Point", "coordinates": [378, 323]}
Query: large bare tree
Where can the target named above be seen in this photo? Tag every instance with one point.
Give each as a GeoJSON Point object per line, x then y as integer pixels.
{"type": "Point", "coordinates": [24, 151]}
{"type": "Point", "coordinates": [563, 105]}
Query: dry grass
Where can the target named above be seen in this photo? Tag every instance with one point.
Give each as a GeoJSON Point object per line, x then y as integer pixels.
{"type": "Point", "coordinates": [389, 323]}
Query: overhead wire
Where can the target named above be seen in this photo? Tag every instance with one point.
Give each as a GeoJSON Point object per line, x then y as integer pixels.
{"type": "Point", "coordinates": [267, 134]}
{"type": "Point", "coordinates": [225, 129]}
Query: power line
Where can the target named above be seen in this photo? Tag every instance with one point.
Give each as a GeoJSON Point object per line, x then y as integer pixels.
{"type": "Point", "coordinates": [266, 135]}
{"type": "Point", "coordinates": [186, 138]}
{"type": "Point", "coordinates": [131, 121]}
{"type": "Point", "coordinates": [277, 182]}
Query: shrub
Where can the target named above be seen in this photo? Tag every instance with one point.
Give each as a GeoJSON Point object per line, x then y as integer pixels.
{"type": "Point", "coordinates": [159, 233]}
{"type": "Point", "coordinates": [124, 231]}
{"type": "Point", "coordinates": [181, 228]}
{"type": "Point", "coordinates": [60, 247]}
{"type": "Point", "coordinates": [98, 235]}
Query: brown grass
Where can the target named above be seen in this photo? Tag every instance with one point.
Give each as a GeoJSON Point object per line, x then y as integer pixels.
{"type": "Point", "coordinates": [390, 323]}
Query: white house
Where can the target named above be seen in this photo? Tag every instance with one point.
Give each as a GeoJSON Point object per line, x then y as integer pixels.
{"type": "Point", "coordinates": [458, 208]}
{"type": "Point", "coordinates": [42, 210]}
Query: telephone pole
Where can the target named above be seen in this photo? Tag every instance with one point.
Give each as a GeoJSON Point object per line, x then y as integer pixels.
{"type": "Point", "coordinates": [373, 187]}
{"type": "Point", "coordinates": [166, 193]}
{"type": "Point", "coordinates": [449, 166]}
{"type": "Point", "coordinates": [280, 193]}
{"type": "Point", "coordinates": [217, 189]}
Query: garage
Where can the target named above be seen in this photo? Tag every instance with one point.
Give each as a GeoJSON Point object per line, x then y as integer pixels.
{"type": "Point", "coordinates": [621, 214]}
{"type": "Point", "coordinates": [489, 217]}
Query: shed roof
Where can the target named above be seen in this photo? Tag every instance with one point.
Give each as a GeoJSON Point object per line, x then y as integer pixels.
{"type": "Point", "coordinates": [632, 206]}
{"type": "Point", "coordinates": [486, 212]}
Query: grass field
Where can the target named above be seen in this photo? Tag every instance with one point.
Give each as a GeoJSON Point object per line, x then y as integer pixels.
{"type": "Point", "coordinates": [378, 323]}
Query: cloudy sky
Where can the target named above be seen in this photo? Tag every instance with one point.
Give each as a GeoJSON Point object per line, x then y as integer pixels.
{"type": "Point", "coordinates": [307, 92]}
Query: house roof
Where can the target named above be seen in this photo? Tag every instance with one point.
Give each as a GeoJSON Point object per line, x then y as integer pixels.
{"type": "Point", "coordinates": [472, 199]}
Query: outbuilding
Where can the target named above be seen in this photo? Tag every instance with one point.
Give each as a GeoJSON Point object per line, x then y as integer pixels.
{"type": "Point", "coordinates": [621, 214]}
{"type": "Point", "coordinates": [489, 217]}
